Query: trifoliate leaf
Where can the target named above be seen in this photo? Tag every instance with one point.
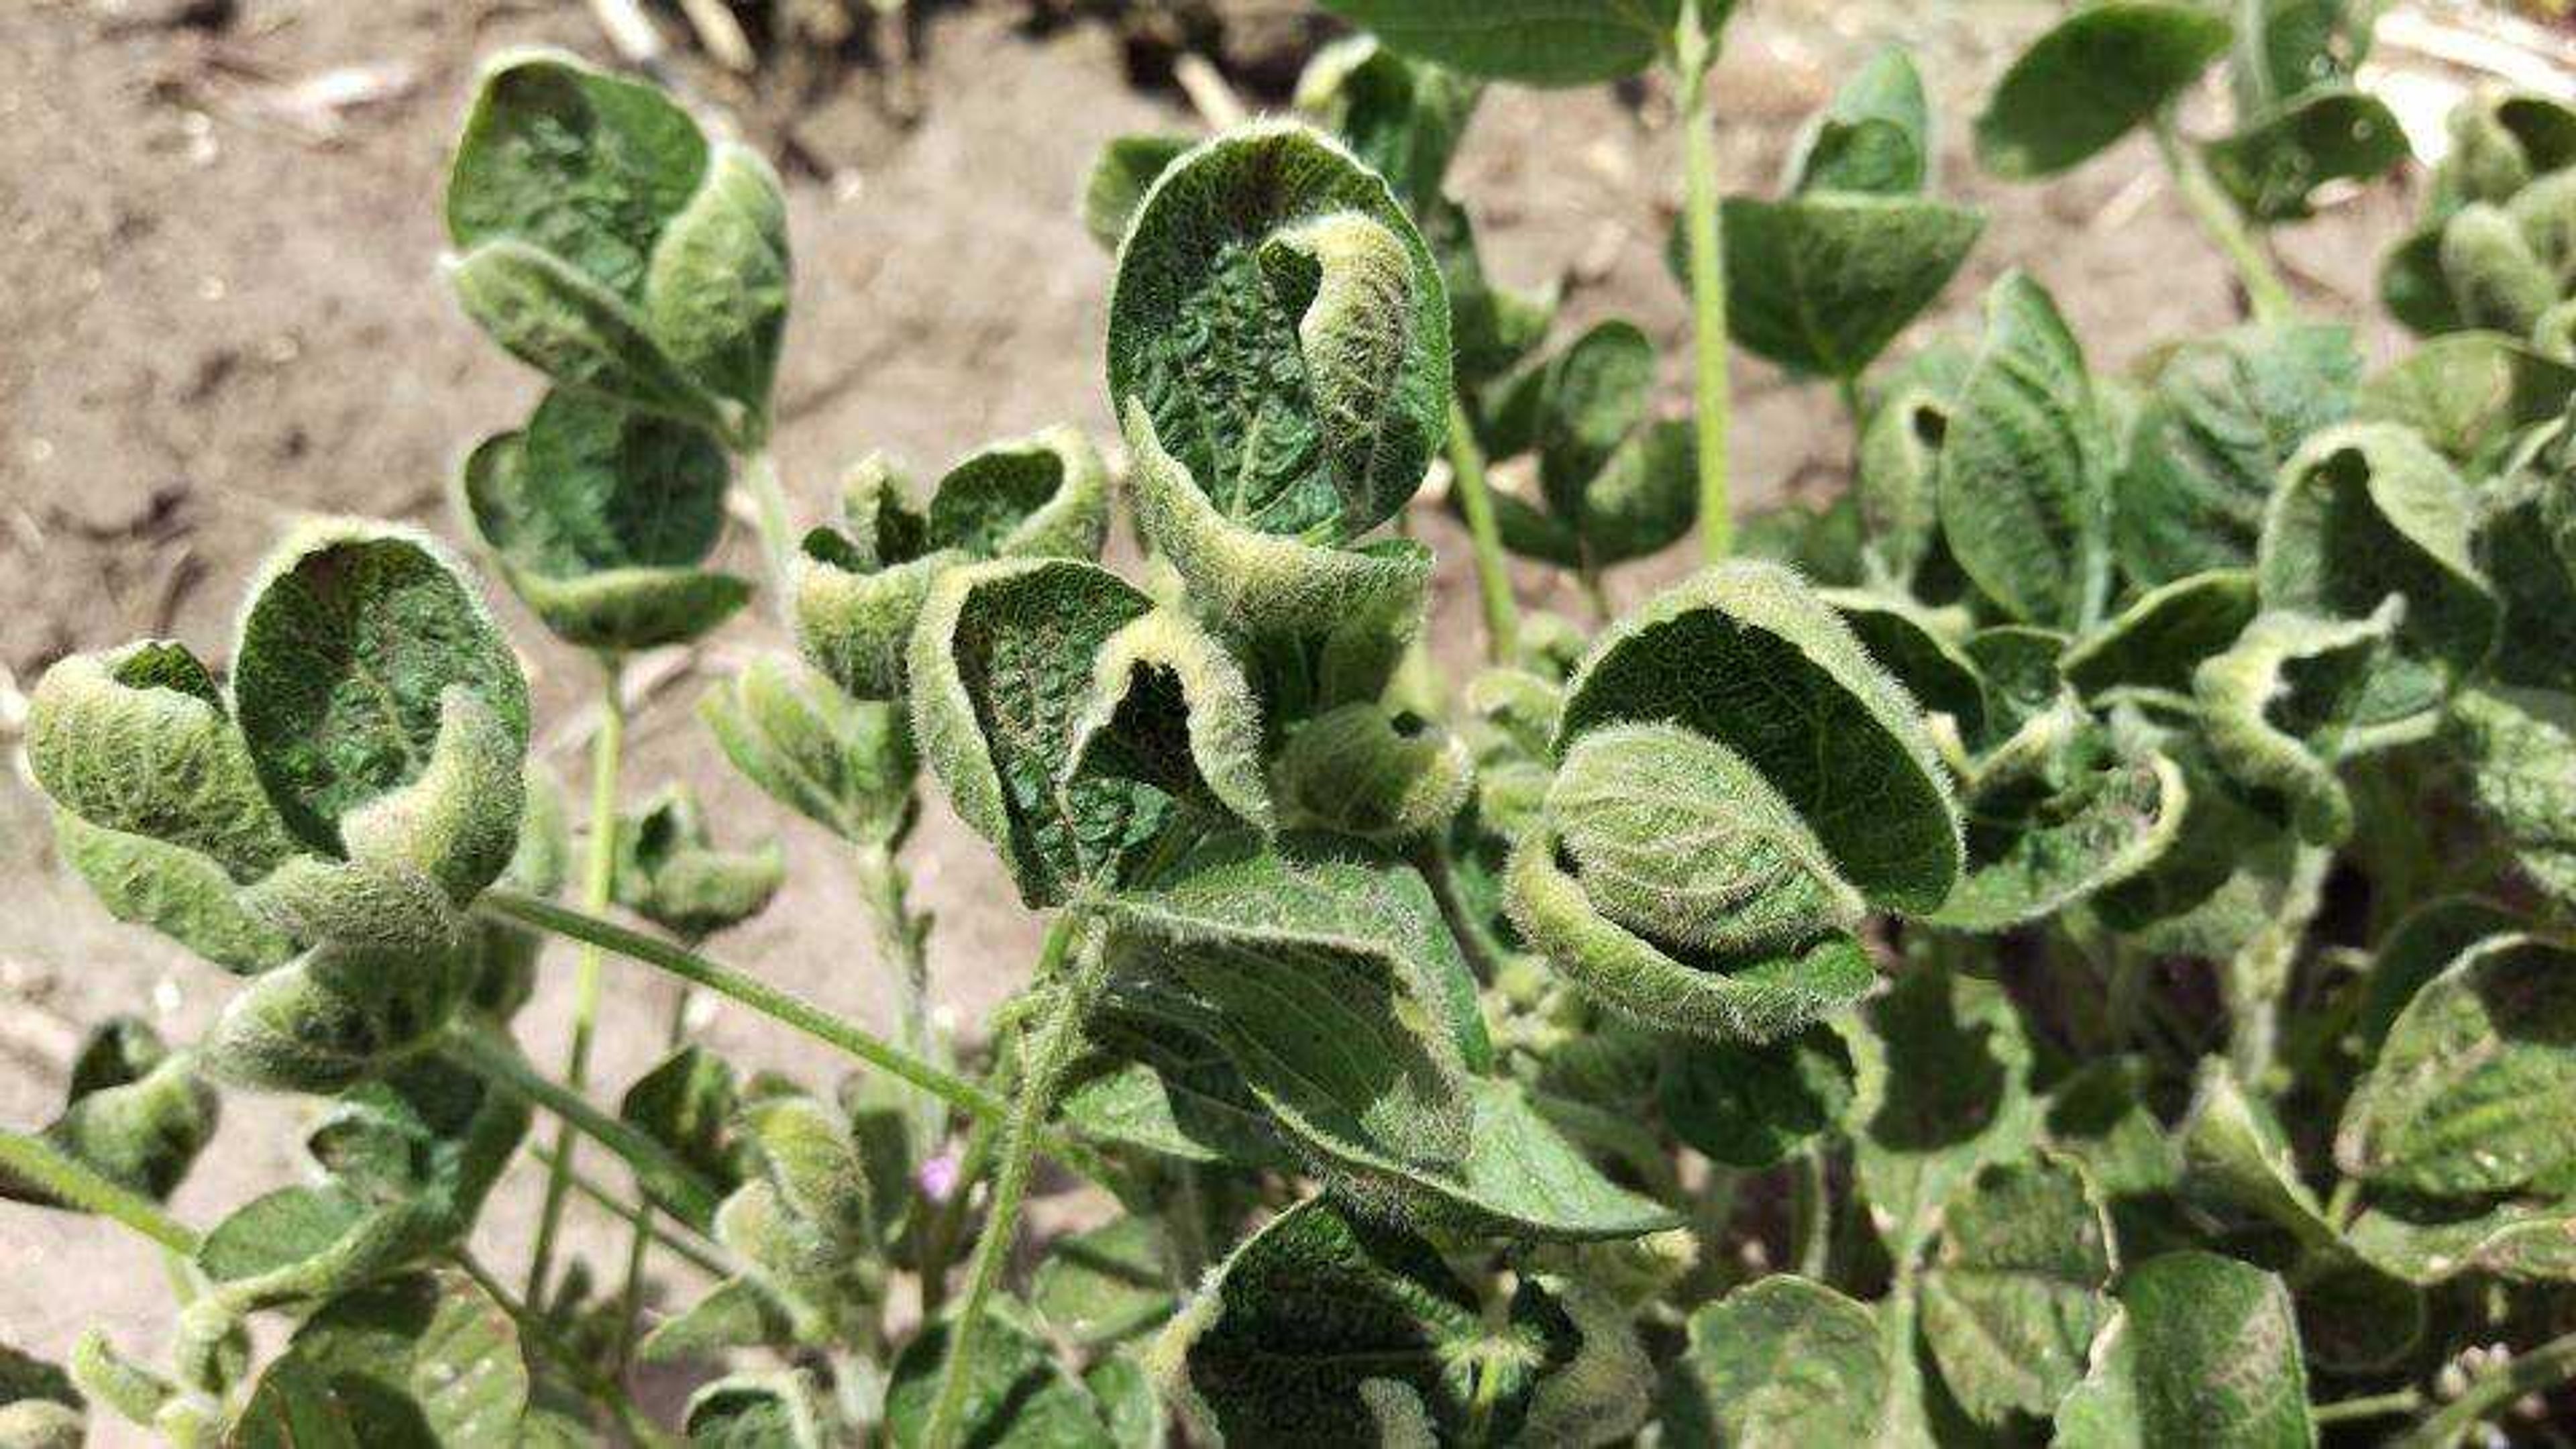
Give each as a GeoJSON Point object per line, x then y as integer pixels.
{"type": "Point", "coordinates": [1017, 1395]}
{"type": "Point", "coordinates": [2272, 166]}
{"type": "Point", "coordinates": [2204, 1350]}
{"type": "Point", "coordinates": [2467, 393]}
{"type": "Point", "coordinates": [2089, 80]}
{"type": "Point", "coordinates": [2366, 512]}
{"type": "Point", "coordinates": [1120, 176]}
{"type": "Point", "coordinates": [607, 243]}
{"type": "Point", "coordinates": [2463, 1097]}
{"type": "Point", "coordinates": [1365, 771]}
{"type": "Point", "coordinates": [780, 1410]}
{"type": "Point", "coordinates": [2223, 414]}
{"type": "Point", "coordinates": [669, 871]}
{"type": "Point", "coordinates": [1323, 1327]}
{"type": "Point", "coordinates": [2024, 493]}
{"type": "Point", "coordinates": [845, 764]}
{"type": "Point", "coordinates": [352, 638]}
{"type": "Point", "coordinates": [1282, 324]}
{"type": "Point", "coordinates": [1752, 1106]}
{"type": "Point", "coordinates": [600, 518]}
{"type": "Point", "coordinates": [1169, 709]}
{"type": "Point", "coordinates": [1875, 137]}
{"type": "Point", "coordinates": [1614, 483]}
{"type": "Point", "coordinates": [2016, 1292]}
{"type": "Point", "coordinates": [1532, 42]}
{"type": "Point", "coordinates": [1778, 1362]}
{"type": "Point", "coordinates": [1001, 669]}
{"type": "Point", "coordinates": [1106, 1285]}
{"type": "Point", "coordinates": [426, 1359]}
{"type": "Point", "coordinates": [1822, 281]}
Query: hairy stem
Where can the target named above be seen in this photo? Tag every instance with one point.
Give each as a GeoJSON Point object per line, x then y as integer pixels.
{"type": "Point", "coordinates": [35, 1161]}
{"type": "Point", "coordinates": [2545, 1367]}
{"type": "Point", "coordinates": [598, 872]}
{"type": "Point", "coordinates": [899, 946]}
{"type": "Point", "coordinates": [1476, 500]}
{"type": "Point", "coordinates": [1812, 1198]}
{"type": "Point", "coordinates": [619, 1208]}
{"type": "Point", "coordinates": [2218, 216]}
{"type": "Point", "coordinates": [664, 1177]}
{"type": "Point", "coordinates": [782, 1006]}
{"type": "Point", "coordinates": [2373, 1406]}
{"type": "Point", "coordinates": [777, 548]}
{"type": "Point", "coordinates": [1051, 1051]}
{"type": "Point", "coordinates": [1691, 55]}
{"type": "Point", "coordinates": [639, 1247]}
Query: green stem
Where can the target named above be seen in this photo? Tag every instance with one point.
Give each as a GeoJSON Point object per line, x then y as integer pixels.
{"type": "Point", "coordinates": [777, 548]}
{"type": "Point", "coordinates": [626, 1212]}
{"type": "Point", "coordinates": [1476, 500]}
{"type": "Point", "coordinates": [899, 936]}
{"type": "Point", "coordinates": [1700, 223]}
{"type": "Point", "coordinates": [38, 1162]}
{"type": "Point", "coordinates": [939, 1235]}
{"type": "Point", "coordinates": [2374, 1406]}
{"type": "Point", "coordinates": [665, 1177]}
{"type": "Point", "coordinates": [2545, 1367]}
{"type": "Point", "coordinates": [1813, 1201]}
{"type": "Point", "coordinates": [2218, 216]}
{"type": "Point", "coordinates": [599, 870]}
{"type": "Point", "coordinates": [1051, 1052]}
{"type": "Point", "coordinates": [1595, 593]}
{"type": "Point", "coordinates": [639, 1247]}
{"type": "Point", "coordinates": [534, 1330]}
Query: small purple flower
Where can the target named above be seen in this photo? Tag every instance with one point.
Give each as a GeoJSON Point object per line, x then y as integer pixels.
{"type": "Point", "coordinates": [938, 1177]}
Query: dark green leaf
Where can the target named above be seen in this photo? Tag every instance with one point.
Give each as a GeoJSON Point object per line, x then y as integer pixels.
{"type": "Point", "coordinates": [2273, 166]}
{"type": "Point", "coordinates": [420, 1360]}
{"type": "Point", "coordinates": [1533, 42]}
{"type": "Point", "coordinates": [1017, 1395]}
{"type": "Point", "coordinates": [2016, 1292]}
{"type": "Point", "coordinates": [2205, 1350]}
{"type": "Point", "coordinates": [1752, 1106]}
{"type": "Point", "coordinates": [1779, 1362]}
{"type": "Point", "coordinates": [1106, 1285]}
{"type": "Point", "coordinates": [2090, 79]}
{"type": "Point", "coordinates": [1822, 282]}
{"type": "Point", "coordinates": [1121, 175]}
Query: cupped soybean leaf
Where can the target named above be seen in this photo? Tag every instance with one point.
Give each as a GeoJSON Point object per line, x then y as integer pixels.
{"type": "Point", "coordinates": [1923, 652]}
{"type": "Point", "coordinates": [1017, 1395]}
{"type": "Point", "coordinates": [2023, 488]}
{"type": "Point", "coordinates": [1941, 1066]}
{"type": "Point", "coordinates": [846, 764]}
{"type": "Point", "coordinates": [1752, 1106]}
{"type": "Point", "coordinates": [1042, 496]}
{"type": "Point", "coordinates": [136, 1113]}
{"type": "Point", "coordinates": [303, 1244]}
{"type": "Point", "coordinates": [1317, 626]}
{"type": "Point", "coordinates": [689, 1103]}
{"type": "Point", "coordinates": [802, 1222]}
{"type": "Point", "coordinates": [2501, 140]}
{"type": "Point", "coordinates": [860, 587]}
{"type": "Point", "coordinates": [1169, 709]}
{"type": "Point", "coordinates": [2495, 278]}
{"type": "Point", "coordinates": [1366, 771]}
{"type": "Point", "coordinates": [776, 1410]}
{"type": "Point", "coordinates": [2273, 166]}
{"type": "Point", "coordinates": [1326, 1328]}
{"type": "Point", "coordinates": [669, 871]}
{"type": "Point", "coordinates": [2115, 815]}
{"type": "Point", "coordinates": [2462, 1099]}
{"type": "Point", "coordinates": [2283, 708]}
{"type": "Point", "coordinates": [39, 1408]}
{"type": "Point", "coordinates": [2222, 415]}
{"type": "Point", "coordinates": [1153, 1084]}
{"type": "Point", "coordinates": [2416, 949]}
{"type": "Point", "coordinates": [2366, 512]}
{"type": "Point", "coordinates": [1895, 480]}
{"type": "Point", "coordinates": [421, 1360]}
{"type": "Point", "coordinates": [2016, 1292]}
{"type": "Point", "coordinates": [1874, 137]}
{"type": "Point", "coordinates": [1001, 670]}
{"type": "Point", "coordinates": [2468, 392]}
{"type": "Point", "coordinates": [336, 1015]}
{"type": "Point", "coordinates": [1746, 655]}
{"type": "Point", "coordinates": [2233, 1152]}
{"type": "Point", "coordinates": [429, 1129]}
{"type": "Point", "coordinates": [2426, 1242]}
{"type": "Point", "coordinates": [2090, 79]}
{"type": "Point", "coordinates": [1402, 118]}
{"type": "Point", "coordinates": [1106, 1285]}
{"type": "Point", "coordinates": [1777, 1362]}
{"type": "Point", "coordinates": [606, 242]}
{"type": "Point", "coordinates": [2163, 635]}
{"type": "Point", "coordinates": [2204, 1350]}
{"type": "Point", "coordinates": [2516, 744]}
{"type": "Point", "coordinates": [600, 517]}
{"type": "Point", "coordinates": [2288, 48]}
{"type": "Point", "coordinates": [1279, 318]}
{"type": "Point", "coordinates": [1533, 42]}
{"type": "Point", "coordinates": [1822, 281]}
{"type": "Point", "coordinates": [353, 636]}
{"type": "Point", "coordinates": [178, 892]}
{"type": "Point", "coordinates": [1120, 176]}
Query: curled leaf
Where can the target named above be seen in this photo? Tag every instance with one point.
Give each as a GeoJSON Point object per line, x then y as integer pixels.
{"type": "Point", "coordinates": [2018, 1288]}
{"type": "Point", "coordinates": [1169, 709]}
{"type": "Point", "coordinates": [2204, 1349]}
{"type": "Point", "coordinates": [2282, 708]}
{"type": "Point", "coordinates": [669, 871]}
{"type": "Point", "coordinates": [136, 1113]}
{"type": "Point", "coordinates": [2273, 165]}
{"type": "Point", "coordinates": [336, 1015]}
{"type": "Point", "coordinates": [846, 764]}
{"type": "Point", "coordinates": [1366, 771]}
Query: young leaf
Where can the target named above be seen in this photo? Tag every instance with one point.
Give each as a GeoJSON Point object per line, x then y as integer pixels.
{"type": "Point", "coordinates": [1533, 42]}
{"type": "Point", "coordinates": [2109, 815]}
{"type": "Point", "coordinates": [299, 1245]}
{"type": "Point", "coordinates": [2015, 1294]}
{"type": "Point", "coordinates": [429, 1130]}
{"type": "Point", "coordinates": [846, 764]}
{"type": "Point", "coordinates": [2089, 80]}
{"type": "Point", "coordinates": [136, 1113]}
{"type": "Point", "coordinates": [1779, 1361]}
{"type": "Point", "coordinates": [336, 1015]}
{"type": "Point", "coordinates": [2204, 1350]}
{"type": "Point", "coordinates": [688, 1103]}
{"type": "Point", "coordinates": [608, 244]}
{"type": "Point", "coordinates": [2233, 1152]}
{"type": "Point", "coordinates": [600, 517]}
{"type": "Point", "coordinates": [424, 1359]}
{"type": "Point", "coordinates": [669, 872]}
{"type": "Point", "coordinates": [1821, 282]}
{"type": "Point", "coordinates": [2466, 394]}
{"type": "Point", "coordinates": [1282, 324]}
{"type": "Point", "coordinates": [1362, 770]}
{"type": "Point", "coordinates": [1104, 1286]}
{"type": "Point", "coordinates": [1121, 175]}
{"type": "Point", "coordinates": [2281, 710]}
{"type": "Point", "coordinates": [1875, 137]}
{"type": "Point", "coordinates": [2163, 635]}
{"type": "Point", "coordinates": [1017, 1397]}
{"type": "Point", "coordinates": [2272, 166]}
{"type": "Point", "coordinates": [1169, 710]}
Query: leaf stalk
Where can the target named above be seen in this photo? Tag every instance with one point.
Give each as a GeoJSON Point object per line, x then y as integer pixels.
{"type": "Point", "coordinates": [1476, 501]}
{"type": "Point", "coordinates": [75, 1182]}
{"type": "Point", "coordinates": [2265, 291]}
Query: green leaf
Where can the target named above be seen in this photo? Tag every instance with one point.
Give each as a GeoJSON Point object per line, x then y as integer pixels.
{"type": "Point", "coordinates": [354, 635]}
{"type": "Point", "coordinates": [2163, 635]}
{"type": "Point", "coordinates": [687, 1103]}
{"type": "Point", "coordinates": [2463, 1097]}
{"type": "Point", "coordinates": [39, 1408]}
{"type": "Point", "coordinates": [2205, 1350]}
{"type": "Point", "coordinates": [1895, 481]}
{"type": "Point", "coordinates": [425, 1359]}
{"type": "Point", "coordinates": [292, 1407]}
{"type": "Point", "coordinates": [1532, 42]}
{"type": "Point", "coordinates": [1123, 172]}
{"type": "Point", "coordinates": [600, 518]}
{"type": "Point", "coordinates": [2114, 815]}
{"type": "Point", "coordinates": [2425, 1243]}
{"type": "Point", "coordinates": [2288, 48]}
{"type": "Point", "coordinates": [1876, 135]}
{"type": "Point", "coordinates": [1164, 1089]}
{"type": "Point", "coordinates": [2015, 1294]}
{"type": "Point", "coordinates": [2495, 278]}
{"type": "Point", "coordinates": [2024, 494]}
{"type": "Point", "coordinates": [2224, 413]}
{"type": "Point", "coordinates": [1170, 711]}
{"type": "Point", "coordinates": [429, 1129]}
{"type": "Point", "coordinates": [1780, 1361]}
{"type": "Point", "coordinates": [669, 872]}
{"type": "Point", "coordinates": [1017, 1395]}
{"type": "Point", "coordinates": [338, 1014]}
{"type": "Point", "coordinates": [1383, 776]}
{"type": "Point", "coordinates": [1280, 320]}
{"type": "Point", "coordinates": [2092, 78]}
{"type": "Point", "coordinates": [1941, 1092]}
{"type": "Point", "coordinates": [1923, 653]}
{"type": "Point", "coordinates": [1401, 118]}
{"type": "Point", "coordinates": [2365, 512]}
{"type": "Point", "coordinates": [1753, 1106]}
{"type": "Point", "coordinates": [1326, 1328]}
{"type": "Point", "coordinates": [2282, 709]}
{"type": "Point", "coordinates": [845, 764]}
{"type": "Point", "coordinates": [1821, 282]}
{"type": "Point", "coordinates": [802, 1224]}
{"type": "Point", "coordinates": [2273, 166]}
{"type": "Point", "coordinates": [1002, 669]}
{"type": "Point", "coordinates": [1042, 496]}
{"type": "Point", "coordinates": [1128, 1404]}
{"type": "Point", "coordinates": [2233, 1151]}
{"type": "Point", "coordinates": [2416, 949]}
{"type": "Point", "coordinates": [736, 1313]}
{"type": "Point", "coordinates": [1106, 1285]}
{"type": "Point", "coordinates": [780, 1410]}
{"type": "Point", "coordinates": [606, 242]}
{"type": "Point", "coordinates": [297, 1245]}
{"type": "Point", "coordinates": [177, 892]}
{"type": "Point", "coordinates": [2467, 393]}
{"type": "Point", "coordinates": [1614, 484]}
{"type": "Point", "coordinates": [2515, 743]}
{"type": "Point", "coordinates": [136, 1113]}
